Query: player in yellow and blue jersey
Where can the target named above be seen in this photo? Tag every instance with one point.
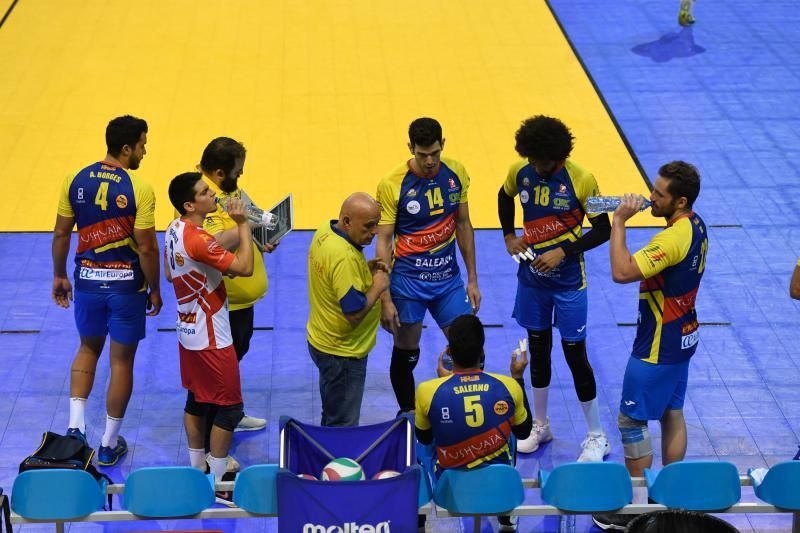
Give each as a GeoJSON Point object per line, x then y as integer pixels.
{"type": "Point", "coordinates": [424, 213]}
{"type": "Point", "coordinates": [553, 190]}
{"type": "Point", "coordinates": [116, 273]}
{"type": "Point", "coordinates": [669, 269]}
{"type": "Point", "coordinates": [469, 415]}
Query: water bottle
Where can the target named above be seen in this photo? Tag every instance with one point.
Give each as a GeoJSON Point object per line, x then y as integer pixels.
{"type": "Point", "coordinates": [447, 362]}
{"type": "Point", "coordinates": [607, 204]}
{"type": "Point", "coordinates": [256, 215]}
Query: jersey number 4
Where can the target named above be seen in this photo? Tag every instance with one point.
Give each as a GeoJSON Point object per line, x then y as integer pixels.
{"type": "Point", "coordinates": [101, 198]}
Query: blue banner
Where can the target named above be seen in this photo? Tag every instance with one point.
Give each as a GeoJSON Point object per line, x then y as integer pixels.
{"type": "Point", "coordinates": [382, 506]}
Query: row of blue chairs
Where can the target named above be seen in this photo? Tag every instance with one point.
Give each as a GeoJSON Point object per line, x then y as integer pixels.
{"type": "Point", "coordinates": [68, 495]}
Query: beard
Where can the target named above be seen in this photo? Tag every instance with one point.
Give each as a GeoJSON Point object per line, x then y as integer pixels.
{"type": "Point", "coordinates": [134, 163]}
{"type": "Point", "coordinates": [229, 185]}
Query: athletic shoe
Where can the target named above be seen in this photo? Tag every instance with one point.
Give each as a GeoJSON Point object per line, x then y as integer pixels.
{"type": "Point", "coordinates": [76, 433]}
{"type": "Point", "coordinates": [508, 524]}
{"type": "Point", "coordinates": [225, 497]}
{"type": "Point", "coordinates": [251, 423]}
{"type": "Point", "coordinates": [612, 522]}
{"type": "Point", "coordinates": [539, 435]}
{"type": "Point", "coordinates": [685, 17]}
{"type": "Point", "coordinates": [107, 456]}
{"type": "Point", "coordinates": [232, 466]}
{"type": "Point", "coordinates": [595, 447]}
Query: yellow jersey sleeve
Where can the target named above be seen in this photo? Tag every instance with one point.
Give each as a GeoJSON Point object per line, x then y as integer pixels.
{"type": "Point", "coordinates": [388, 194]}
{"type": "Point", "coordinates": [422, 401]}
{"type": "Point", "coordinates": [667, 247]}
{"type": "Point", "coordinates": [520, 413]}
{"type": "Point", "coordinates": [510, 185]}
{"type": "Point", "coordinates": [584, 182]}
{"type": "Point", "coordinates": [346, 274]}
{"type": "Point", "coordinates": [798, 262]}
{"type": "Point", "coordinates": [463, 176]}
{"type": "Point", "coordinates": [64, 207]}
{"type": "Point", "coordinates": [145, 204]}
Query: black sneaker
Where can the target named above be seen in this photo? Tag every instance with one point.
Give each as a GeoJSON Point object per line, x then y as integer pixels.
{"type": "Point", "coordinates": [225, 497]}
{"type": "Point", "coordinates": [612, 521]}
{"type": "Point", "coordinates": [507, 523]}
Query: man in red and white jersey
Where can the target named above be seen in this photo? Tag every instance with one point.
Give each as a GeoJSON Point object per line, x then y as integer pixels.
{"type": "Point", "coordinates": [195, 263]}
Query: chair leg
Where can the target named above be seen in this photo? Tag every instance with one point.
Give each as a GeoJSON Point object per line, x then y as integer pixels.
{"type": "Point", "coordinates": [59, 527]}
{"type": "Point", "coordinates": [795, 522]}
{"type": "Point", "coordinates": [476, 527]}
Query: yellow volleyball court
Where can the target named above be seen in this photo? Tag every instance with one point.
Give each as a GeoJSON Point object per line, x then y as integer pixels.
{"type": "Point", "coordinates": [321, 93]}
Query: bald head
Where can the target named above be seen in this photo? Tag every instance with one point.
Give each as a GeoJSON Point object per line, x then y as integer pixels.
{"type": "Point", "coordinates": [359, 218]}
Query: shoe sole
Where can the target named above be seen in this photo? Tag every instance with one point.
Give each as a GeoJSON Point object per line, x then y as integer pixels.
{"type": "Point", "coordinates": [608, 527]}
{"type": "Point", "coordinates": [239, 429]}
{"type": "Point", "coordinates": [226, 503]}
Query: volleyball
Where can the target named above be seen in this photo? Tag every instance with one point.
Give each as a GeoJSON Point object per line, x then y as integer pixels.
{"type": "Point", "coordinates": [342, 469]}
{"type": "Point", "coordinates": [386, 474]}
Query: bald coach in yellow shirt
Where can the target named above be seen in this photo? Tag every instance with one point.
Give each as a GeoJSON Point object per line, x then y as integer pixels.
{"type": "Point", "coordinates": [343, 290]}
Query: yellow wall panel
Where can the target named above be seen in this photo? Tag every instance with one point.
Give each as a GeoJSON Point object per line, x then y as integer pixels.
{"type": "Point", "coordinates": [320, 92]}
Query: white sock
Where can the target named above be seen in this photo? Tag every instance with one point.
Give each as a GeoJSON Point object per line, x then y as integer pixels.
{"type": "Point", "coordinates": [77, 414]}
{"type": "Point", "coordinates": [197, 458]}
{"type": "Point", "coordinates": [591, 411]}
{"type": "Point", "coordinates": [112, 431]}
{"type": "Point", "coordinates": [218, 467]}
{"type": "Point", "coordinates": [540, 404]}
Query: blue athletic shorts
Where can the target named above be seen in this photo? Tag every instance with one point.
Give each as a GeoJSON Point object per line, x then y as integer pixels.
{"type": "Point", "coordinates": [649, 390]}
{"type": "Point", "coordinates": [122, 315]}
{"type": "Point", "coordinates": [534, 308]}
{"type": "Point", "coordinates": [445, 300]}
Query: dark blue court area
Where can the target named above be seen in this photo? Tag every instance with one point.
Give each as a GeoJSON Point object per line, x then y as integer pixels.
{"type": "Point", "coordinates": [722, 95]}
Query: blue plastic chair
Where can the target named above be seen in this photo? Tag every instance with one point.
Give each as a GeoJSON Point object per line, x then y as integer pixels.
{"type": "Point", "coordinates": [256, 491]}
{"type": "Point", "coordinates": [168, 491]}
{"type": "Point", "coordinates": [780, 486]}
{"type": "Point", "coordinates": [695, 485]}
{"type": "Point", "coordinates": [486, 490]}
{"type": "Point", "coordinates": [586, 487]}
{"type": "Point", "coordinates": [57, 495]}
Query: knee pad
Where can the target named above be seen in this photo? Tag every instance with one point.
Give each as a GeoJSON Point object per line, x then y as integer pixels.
{"type": "Point", "coordinates": [193, 407]}
{"type": "Point", "coordinates": [582, 373]}
{"type": "Point", "coordinates": [540, 344]}
{"type": "Point", "coordinates": [635, 437]}
{"type": "Point", "coordinates": [228, 416]}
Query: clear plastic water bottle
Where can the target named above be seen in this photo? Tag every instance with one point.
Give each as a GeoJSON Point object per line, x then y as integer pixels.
{"type": "Point", "coordinates": [608, 204]}
{"type": "Point", "coordinates": [256, 215]}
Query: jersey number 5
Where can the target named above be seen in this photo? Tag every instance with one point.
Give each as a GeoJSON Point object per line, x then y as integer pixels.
{"type": "Point", "coordinates": [473, 411]}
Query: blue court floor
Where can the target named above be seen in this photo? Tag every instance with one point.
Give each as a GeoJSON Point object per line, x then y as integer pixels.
{"type": "Point", "coordinates": [722, 95]}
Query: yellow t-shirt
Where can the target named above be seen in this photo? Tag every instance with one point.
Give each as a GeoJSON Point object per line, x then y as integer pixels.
{"type": "Point", "coordinates": [336, 268]}
{"type": "Point", "coordinates": [242, 292]}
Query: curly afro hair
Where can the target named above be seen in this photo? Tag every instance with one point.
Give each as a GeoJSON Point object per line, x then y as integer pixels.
{"type": "Point", "coordinates": [544, 138]}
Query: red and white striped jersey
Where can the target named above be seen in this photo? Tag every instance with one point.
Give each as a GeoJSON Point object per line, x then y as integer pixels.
{"type": "Point", "coordinates": [197, 262]}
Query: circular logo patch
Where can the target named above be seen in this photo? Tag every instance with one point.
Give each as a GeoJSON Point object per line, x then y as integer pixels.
{"type": "Point", "coordinates": [523, 197]}
{"type": "Point", "coordinates": [122, 201]}
{"type": "Point", "coordinates": [413, 207]}
{"type": "Point", "coordinates": [179, 259]}
{"type": "Point", "coordinates": [501, 408]}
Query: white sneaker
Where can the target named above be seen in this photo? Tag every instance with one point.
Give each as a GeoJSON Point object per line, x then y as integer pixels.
{"type": "Point", "coordinates": [251, 423]}
{"type": "Point", "coordinates": [540, 433]}
{"type": "Point", "coordinates": [232, 466]}
{"type": "Point", "coordinates": [595, 447]}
